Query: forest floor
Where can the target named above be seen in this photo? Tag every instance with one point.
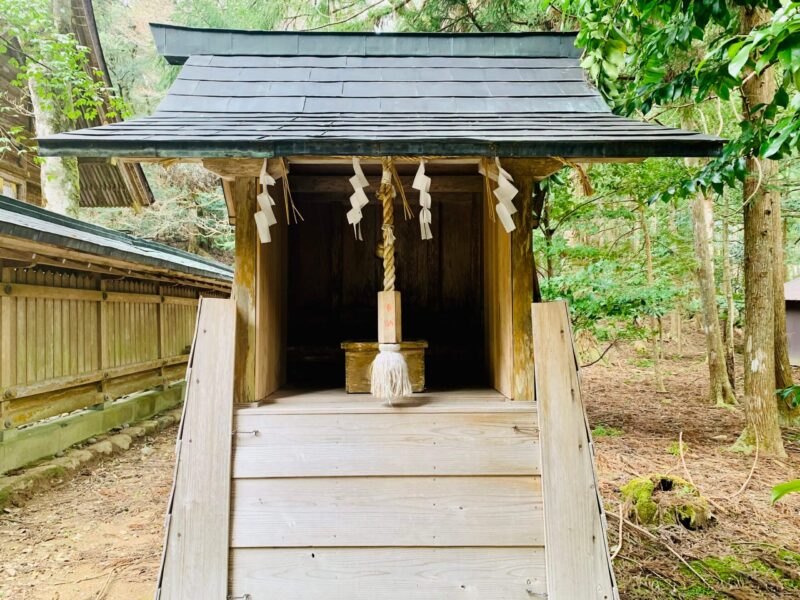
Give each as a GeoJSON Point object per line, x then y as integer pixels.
{"type": "Point", "coordinates": [98, 536]}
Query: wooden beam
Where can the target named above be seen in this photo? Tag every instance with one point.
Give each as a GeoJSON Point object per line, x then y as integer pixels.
{"type": "Point", "coordinates": [33, 253]}
{"type": "Point", "coordinates": [522, 277]}
{"type": "Point", "coordinates": [244, 290]}
{"type": "Point", "coordinates": [231, 168]}
{"type": "Point", "coordinates": [576, 551]}
{"type": "Point", "coordinates": [340, 184]}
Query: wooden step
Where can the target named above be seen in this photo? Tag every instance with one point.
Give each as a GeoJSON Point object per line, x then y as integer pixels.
{"type": "Point", "coordinates": [341, 497]}
{"type": "Point", "coordinates": [385, 444]}
{"type": "Point", "coordinates": [387, 511]}
{"type": "Point", "coordinates": [388, 573]}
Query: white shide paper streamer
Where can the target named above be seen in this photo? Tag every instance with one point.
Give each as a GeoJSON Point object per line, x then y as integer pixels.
{"type": "Point", "coordinates": [359, 199]}
{"type": "Point", "coordinates": [265, 217]}
{"type": "Point", "coordinates": [504, 192]}
{"type": "Point", "coordinates": [423, 183]}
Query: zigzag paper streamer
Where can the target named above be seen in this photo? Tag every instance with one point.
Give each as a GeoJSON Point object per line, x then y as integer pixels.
{"type": "Point", "coordinates": [423, 183]}
{"type": "Point", "coordinates": [265, 217]}
{"type": "Point", "coordinates": [505, 192]}
{"type": "Point", "coordinates": [359, 199]}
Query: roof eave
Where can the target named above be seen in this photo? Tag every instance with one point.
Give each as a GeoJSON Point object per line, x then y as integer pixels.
{"type": "Point", "coordinates": [695, 147]}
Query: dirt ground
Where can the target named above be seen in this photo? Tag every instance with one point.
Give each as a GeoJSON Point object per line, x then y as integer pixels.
{"type": "Point", "coordinates": [98, 536]}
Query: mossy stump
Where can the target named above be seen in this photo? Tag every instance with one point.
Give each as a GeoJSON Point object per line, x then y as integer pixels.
{"type": "Point", "coordinates": [665, 500]}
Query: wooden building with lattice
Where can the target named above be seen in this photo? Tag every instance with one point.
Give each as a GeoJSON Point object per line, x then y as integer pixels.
{"type": "Point", "coordinates": [103, 183]}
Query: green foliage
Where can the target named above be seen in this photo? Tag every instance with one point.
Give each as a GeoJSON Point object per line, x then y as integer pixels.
{"type": "Point", "coordinates": [53, 62]}
{"type": "Point", "coordinates": [675, 448]}
{"type": "Point", "coordinates": [790, 395]}
{"type": "Point", "coordinates": [601, 430]}
{"type": "Point", "coordinates": [190, 213]}
{"type": "Point", "coordinates": [789, 487]}
{"type": "Point", "coordinates": [645, 54]}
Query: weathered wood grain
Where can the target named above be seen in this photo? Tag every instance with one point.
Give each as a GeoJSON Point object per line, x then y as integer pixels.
{"type": "Point", "coordinates": [497, 304]}
{"type": "Point", "coordinates": [386, 444]}
{"type": "Point", "coordinates": [244, 290]}
{"type": "Point", "coordinates": [196, 546]}
{"type": "Point", "coordinates": [578, 565]}
{"type": "Point", "coordinates": [387, 511]}
{"type": "Point", "coordinates": [388, 573]}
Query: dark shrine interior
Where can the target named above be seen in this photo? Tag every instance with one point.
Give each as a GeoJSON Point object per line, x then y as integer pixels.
{"type": "Point", "coordinates": [333, 280]}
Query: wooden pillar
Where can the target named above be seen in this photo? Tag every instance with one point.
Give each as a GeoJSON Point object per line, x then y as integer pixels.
{"type": "Point", "coordinates": [271, 278]}
{"type": "Point", "coordinates": [244, 290]}
{"type": "Point", "coordinates": [522, 279]}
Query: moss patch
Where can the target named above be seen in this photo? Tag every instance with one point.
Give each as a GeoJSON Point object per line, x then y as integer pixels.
{"type": "Point", "coordinates": [665, 499]}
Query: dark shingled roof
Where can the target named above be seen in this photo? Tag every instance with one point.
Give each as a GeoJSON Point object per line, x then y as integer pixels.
{"type": "Point", "coordinates": [21, 220]}
{"type": "Point", "coordinates": [243, 93]}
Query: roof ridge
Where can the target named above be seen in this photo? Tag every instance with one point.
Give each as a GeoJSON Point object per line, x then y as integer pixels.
{"type": "Point", "coordinates": [177, 43]}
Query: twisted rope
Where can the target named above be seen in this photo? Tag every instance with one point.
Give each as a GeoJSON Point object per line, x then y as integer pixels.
{"type": "Point", "coordinates": [386, 196]}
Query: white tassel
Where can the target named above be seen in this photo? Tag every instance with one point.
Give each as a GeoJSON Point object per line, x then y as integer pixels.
{"type": "Point", "coordinates": [389, 379]}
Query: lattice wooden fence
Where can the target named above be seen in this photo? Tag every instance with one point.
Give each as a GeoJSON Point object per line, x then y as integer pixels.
{"type": "Point", "coordinates": [71, 340]}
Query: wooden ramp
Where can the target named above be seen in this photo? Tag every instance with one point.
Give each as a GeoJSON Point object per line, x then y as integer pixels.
{"type": "Point", "coordinates": [328, 495]}
{"type": "Point", "coordinates": [336, 496]}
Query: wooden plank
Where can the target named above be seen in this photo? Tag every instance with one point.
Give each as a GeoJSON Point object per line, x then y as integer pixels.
{"type": "Point", "coordinates": [48, 329]}
{"type": "Point", "coordinates": [58, 331]}
{"type": "Point", "coordinates": [196, 545]}
{"type": "Point", "coordinates": [578, 564]}
{"type": "Point", "coordinates": [244, 290]}
{"type": "Point", "coordinates": [388, 573]}
{"type": "Point", "coordinates": [497, 303]}
{"type": "Point", "coordinates": [387, 511]}
{"type": "Point", "coordinates": [386, 444]}
{"type": "Point", "coordinates": [7, 338]}
{"type": "Point", "coordinates": [40, 352]}
{"type": "Point", "coordinates": [270, 306]}
{"type": "Point", "coordinates": [524, 172]}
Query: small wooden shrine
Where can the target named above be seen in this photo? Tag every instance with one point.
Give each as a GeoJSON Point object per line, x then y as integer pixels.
{"type": "Point", "coordinates": [362, 163]}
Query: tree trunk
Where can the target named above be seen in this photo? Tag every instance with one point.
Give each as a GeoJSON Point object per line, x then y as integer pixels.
{"type": "Point", "coordinates": [761, 406]}
{"type": "Point", "coordinates": [655, 322]}
{"type": "Point", "coordinates": [720, 390]}
{"type": "Point", "coordinates": [59, 176]}
{"type": "Point", "coordinates": [783, 369]}
{"type": "Point", "coordinates": [727, 284]}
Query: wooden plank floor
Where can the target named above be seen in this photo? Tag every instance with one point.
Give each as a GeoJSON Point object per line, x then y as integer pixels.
{"type": "Point", "coordinates": [337, 496]}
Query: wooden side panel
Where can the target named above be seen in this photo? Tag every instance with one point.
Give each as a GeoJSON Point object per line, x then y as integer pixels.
{"type": "Point", "coordinates": [497, 305]}
{"type": "Point", "coordinates": [386, 511]}
{"type": "Point", "coordinates": [386, 444]}
{"type": "Point", "coordinates": [244, 289]}
{"type": "Point", "coordinates": [578, 564]}
{"type": "Point", "coordinates": [271, 306]}
{"type": "Point", "coordinates": [196, 546]}
{"type": "Point", "coordinates": [388, 573]}
{"type": "Point", "coordinates": [522, 287]}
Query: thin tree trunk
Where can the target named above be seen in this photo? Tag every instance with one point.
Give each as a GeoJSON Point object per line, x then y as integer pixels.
{"type": "Point", "coordinates": [59, 176]}
{"type": "Point", "coordinates": [783, 368]}
{"type": "Point", "coordinates": [761, 406]}
{"type": "Point", "coordinates": [720, 390]}
{"type": "Point", "coordinates": [727, 284]}
{"type": "Point", "coordinates": [655, 322]}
